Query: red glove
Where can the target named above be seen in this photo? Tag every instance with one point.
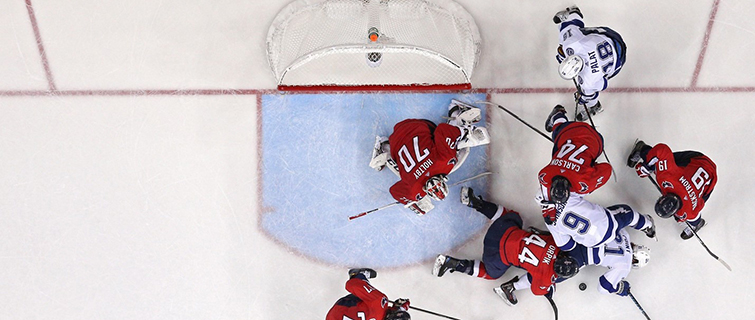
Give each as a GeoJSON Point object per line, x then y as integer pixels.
{"type": "Point", "coordinates": [641, 170]}
{"type": "Point", "coordinates": [401, 304]}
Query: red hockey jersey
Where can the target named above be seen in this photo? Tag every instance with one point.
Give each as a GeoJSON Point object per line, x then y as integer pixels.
{"type": "Point", "coordinates": [532, 252]}
{"type": "Point", "coordinates": [575, 148]}
{"type": "Point", "coordinates": [693, 181]}
{"type": "Point", "coordinates": [421, 150]}
{"type": "Point", "coordinates": [373, 304]}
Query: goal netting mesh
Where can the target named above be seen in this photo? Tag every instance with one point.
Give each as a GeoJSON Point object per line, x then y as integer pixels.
{"type": "Point", "coordinates": [373, 45]}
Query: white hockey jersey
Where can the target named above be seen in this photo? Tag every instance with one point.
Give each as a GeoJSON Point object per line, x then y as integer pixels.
{"type": "Point", "coordinates": [583, 222]}
{"type": "Point", "coordinates": [602, 55]}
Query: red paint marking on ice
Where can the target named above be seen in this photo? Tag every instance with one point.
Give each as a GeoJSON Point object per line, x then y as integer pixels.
{"type": "Point", "coordinates": [704, 48]}
{"type": "Point", "coordinates": [40, 46]}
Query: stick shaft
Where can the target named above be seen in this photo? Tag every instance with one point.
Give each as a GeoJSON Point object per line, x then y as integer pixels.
{"type": "Point", "coordinates": [433, 313]}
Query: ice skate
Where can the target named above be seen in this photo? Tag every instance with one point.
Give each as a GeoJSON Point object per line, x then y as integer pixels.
{"type": "Point", "coordinates": [563, 15]}
{"type": "Point", "coordinates": [650, 230]}
{"type": "Point", "coordinates": [581, 114]}
{"type": "Point", "coordinates": [367, 272]}
{"type": "Point", "coordinates": [445, 264]}
{"type": "Point", "coordinates": [558, 112]}
{"type": "Point", "coordinates": [469, 199]}
{"type": "Point", "coordinates": [687, 233]}
{"type": "Point", "coordinates": [634, 156]}
{"type": "Point", "coordinates": [506, 291]}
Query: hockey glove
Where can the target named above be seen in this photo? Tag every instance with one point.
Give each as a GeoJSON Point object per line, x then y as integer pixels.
{"type": "Point", "coordinates": [548, 209]}
{"type": "Point", "coordinates": [402, 304]}
{"type": "Point", "coordinates": [622, 289]}
{"type": "Point", "coordinates": [641, 170]}
{"type": "Point", "coordinates": [420, 207]}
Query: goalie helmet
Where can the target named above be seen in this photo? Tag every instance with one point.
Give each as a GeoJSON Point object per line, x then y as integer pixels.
{"type": "Point", "coordinates": [565, 265]}
{"type": "Point", "coordinates": [570, 67]}
{"type": "Point", "coordinates": [559, 191]}
{"type": "Point", "coordinates": [668, 205]}
{"type": "Point", "coordinates": [640, 256]}
{"type": "Point", "coordinates": [436, 187]}
{"type": "Point", "coordinates": [397, 315]}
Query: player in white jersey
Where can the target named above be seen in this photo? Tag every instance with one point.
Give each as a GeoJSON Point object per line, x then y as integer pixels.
{"type": "Point", "coordinates": [579, 221]}
{"type": "Point", "coordinates": [589, 56]}
{"type": "Point", "coordinates": [619, 255]}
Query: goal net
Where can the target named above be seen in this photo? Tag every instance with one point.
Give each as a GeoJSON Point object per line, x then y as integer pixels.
{"type": "Point", "coordinates": [343, 45]}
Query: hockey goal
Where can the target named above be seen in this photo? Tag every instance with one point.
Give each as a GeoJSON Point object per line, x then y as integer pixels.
{"type": "Point", "coordinates": [346, 45]}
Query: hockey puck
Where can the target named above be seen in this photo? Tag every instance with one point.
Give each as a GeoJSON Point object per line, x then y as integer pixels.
{"type": "Point", "coordinates": [582, 286]}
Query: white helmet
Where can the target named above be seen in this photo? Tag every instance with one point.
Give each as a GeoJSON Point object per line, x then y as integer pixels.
{"type": "Point", "coordinates": [640, 256]}
{"type": "Point", "coordinates": [436, 187]}
{"type": "Point", "coordinates": [570, 67]}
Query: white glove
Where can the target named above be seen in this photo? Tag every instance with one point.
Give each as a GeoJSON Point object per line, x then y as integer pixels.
{"type": "Point", "coordinates": [420, 207]}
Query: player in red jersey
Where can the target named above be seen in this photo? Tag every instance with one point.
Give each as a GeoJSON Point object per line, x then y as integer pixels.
{"type": "Point", "coordinates": [422, 154]}
{"type": "Point", "coordinates": [686, 179]}
{"type": "Point", "coordinates": [506, 245]}
{"type": "Point", "coordinates": [366, 302]}
{"type": "Point", "coordinates": [573, 167]}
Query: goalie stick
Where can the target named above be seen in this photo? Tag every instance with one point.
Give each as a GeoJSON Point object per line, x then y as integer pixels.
{"type": "Point", "coordinates": [397, 202]}
{"type": "Point", "coordinates": [655, 183]}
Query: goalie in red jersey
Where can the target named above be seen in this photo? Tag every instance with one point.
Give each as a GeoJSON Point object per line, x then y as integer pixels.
{"type": "Point", "coordinates": [366, 302]}
{"type": "Point", "coordinates": [686, 180]}
{"type": "Point", "coordinates": [506, 245]}
{"type": "Point", "coordinates": [573, 167]}
{"type": "Point", "coordinates": [422, 154]}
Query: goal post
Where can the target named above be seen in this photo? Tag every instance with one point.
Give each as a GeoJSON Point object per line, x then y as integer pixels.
{"type": "Point", "coordinates": [346, 45]}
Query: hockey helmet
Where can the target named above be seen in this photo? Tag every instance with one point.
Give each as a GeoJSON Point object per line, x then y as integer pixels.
{"type": "Point", "coordinates": [571, 67]}
{"type": "Point", "coordinates": [565, 265]}
{"type": "Point", "coordinates": [668, 205]}
{"type": "Point", "coordinates": [560, 189]}
{"type": "Point", "coordinates": [436, 187]}
{"type": "Point", "coordinates": [640, 256]}
{"type": "Point", "coordinates": [397, 315]}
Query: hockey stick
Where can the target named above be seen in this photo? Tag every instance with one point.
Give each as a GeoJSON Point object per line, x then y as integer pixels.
{"type": "Point", "coordinates": [639, 306]}
{"type": "Point", "coordinates": [655, 183]}
{"type": "Point", "coordinates": [433, 313]}
{"type": "Point", "coordinates": [589, 117]}
{"type": "Point", "coordinates": [520, 119]}
{"type": "Point", "coordinates": [397, 202]}
{"type": "Point", "coordinates": [553, 305]}
{"type": "Point", "coordinates": [373, 210]}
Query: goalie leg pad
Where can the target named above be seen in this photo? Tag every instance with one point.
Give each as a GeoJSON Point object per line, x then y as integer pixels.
{"type": "Point", "coordinates": [477, 136]}
{"type": "Point", "coordinates": [380, 155]}
{"type": "Point", "coordinates": [463, 114]}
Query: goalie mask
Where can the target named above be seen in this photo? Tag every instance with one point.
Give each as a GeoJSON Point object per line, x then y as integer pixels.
{"type": "Point", "coordinates": [565, 265]}
{"type": "Point", "coordinates": [668, 205]}
{"type": "Point", "coordinates": [436, 187]}
{"type": "Point", "coordinates": [570, 67]}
